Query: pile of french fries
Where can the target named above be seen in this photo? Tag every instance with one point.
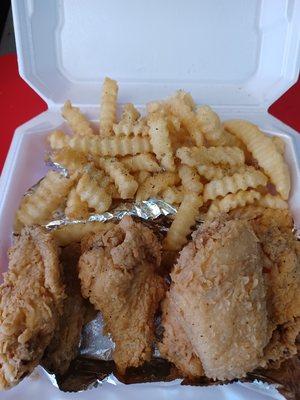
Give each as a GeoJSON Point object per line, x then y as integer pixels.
{"type": "Point", "coordinates": [178, 152]}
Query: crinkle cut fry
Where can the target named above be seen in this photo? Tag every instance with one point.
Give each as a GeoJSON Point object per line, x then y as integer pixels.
{"type": "Point", "coordinates": [77, 121]}
{"type": "Point", "coordinates": [160, 141]}
{"type": "Point", "coordinates": [193, 156]}
{"type": "Point", "coordinates": [91, 192]}
{"type": "Point", "coordinates": [141, 162]}
{"type": "Point", "coordinates": [184, 220]}
{"type": "Point", "coordinates": [265, 152]}
{"type": "Point", "coordinates": [155, 184]}
{"type": "Point", "coordinates": [114, 146]}
{"type": "Point", "coordinates": [125, 182]}
{"type": "Point", "coordinates": [127, 122]}
{"type": "Point", "coordinates": [232, 201]}
{"type": "Point", "coordinates": [108, 106]}
{"type": "Point", "coordinates": [234, 183]}
{"type": "Point", "coordinates": [37, 208]}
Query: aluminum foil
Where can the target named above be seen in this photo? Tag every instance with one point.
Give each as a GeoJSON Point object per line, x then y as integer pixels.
{"type": "Point", "coordinates": [148, 210]}
{"type": "Point", "coordinates": [94, 344]}
{"type": "Point", "coordinates": [56, 166]}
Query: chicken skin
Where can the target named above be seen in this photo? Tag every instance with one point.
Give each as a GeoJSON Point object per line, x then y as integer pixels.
{"type": "Point", "coordinates": [234, 297]}
{"type": "Point", "coordinates": [118, 273]}
{"type": "Point", "coordinates": [218, 295]}
{"type": "Point", "coordinates": [31, 303]}
{"type": "Point", "coordinates": [281, 252]}
{"type": "Point", "coordinates": [64, 346]}
{"type": "Point", "coordinates": [176, 346]}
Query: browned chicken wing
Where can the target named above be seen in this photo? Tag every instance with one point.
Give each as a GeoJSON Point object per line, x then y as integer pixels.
{"type": "Point", "coordinates": [118, 273]}
{"type": "Point", "coordinates": [31, 302]}
{"type": "Point", "coordinates": [64, 345]}
{"type": "Point", "coordinates": [218, 293]}
{"type": "Point", "coordinates": [234, 301]}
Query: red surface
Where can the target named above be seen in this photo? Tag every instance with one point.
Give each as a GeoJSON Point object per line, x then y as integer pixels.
{"type": "Point", "coordinates": [19, 103]}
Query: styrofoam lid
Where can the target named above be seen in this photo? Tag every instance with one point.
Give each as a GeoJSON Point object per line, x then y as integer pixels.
{"type": "Point", "coordinates": [226, 52]}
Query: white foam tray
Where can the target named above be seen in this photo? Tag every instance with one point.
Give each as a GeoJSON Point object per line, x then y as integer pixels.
{"type": "Point", "coordinates": [237, 55]}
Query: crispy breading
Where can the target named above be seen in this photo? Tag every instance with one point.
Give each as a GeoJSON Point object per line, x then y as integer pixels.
{"type": "Point", "coordinates": [218, 291]}
{"type": "Point", "coordinates": [118, 273]}
{"type": "Point", "coordinates": [31, 302]}
{"type": "Point", "coordinates": [176, 346]}
{"type": "Point", "coordinates": [64, 345]}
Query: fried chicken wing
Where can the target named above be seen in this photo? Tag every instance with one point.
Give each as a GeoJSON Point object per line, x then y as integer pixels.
{"type": "Point", "coordinates": [118, 273]}
{"type": "Point", "coordinates": [64, 345]}
{"type": "Point", "coordinates": [218, 295]}
{"type": "Point", "coordinates": [176, 346]}
{"type": "Point", "coordinates": [282, 277]}
{"type": "Point", "coordinates": [31, 302]}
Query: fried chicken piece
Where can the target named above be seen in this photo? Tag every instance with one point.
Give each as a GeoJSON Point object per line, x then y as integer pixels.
{"type": "Point", "coordinates": [264, 216]}
{"type": "Point", "coordinates": [218, 294]}
{"type": "Point", "coordinates": [282, 278]}
{"type": "Point", "coordinates": [31, 302]}
{"type": "Point", "coordinates": [282, 344]}
{"type": "Point", "coordinates": [281, 268]}
{"type": "Point", "coordinates": [118, 273]}
{"type": "Point", "coordinates": [176, 346]}
{"type": "Point", "coordinates": [65, 343]}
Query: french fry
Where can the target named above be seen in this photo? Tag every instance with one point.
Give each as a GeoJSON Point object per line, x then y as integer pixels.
{"type": "Point", "coordinates": [76, 120]}
{"type": "Point", "coordinates": [209, 122]}
{"type": "Point", "coordinates": [141, 176]}
{"type": "Point", "coordinates": [74, 232]}
{"type": "Point", "coordinates": [226, 139]}
{"type": "Point", "coordinates": [231, 201]}
{"type": "Point", "coordinates": [188, 118]}
{"type": "Point", "coordinates": [270, 201]}
{"type": "Point", "coordinates": [173, 195]}
{"type": "Point", "coordinates": [156, 107]}
{"type": "Point", "coordinates": [129, 116]}
{"type": "Point", "coordinates": [195, 156]}
{"type": "Point", "coordinates": [50, 193]}
{"type": "Point", "coordinates": [186, 98]}
{"type": "Point", "coordinates": [90, 191]}
{"type": "Point", "coordinates": [279, 143]}
{"type": "Point", "coordinates": [75, 207]}
{"type": "Point", "coordinates": [126, 184]}
{"type": "Point", "coordinates": [113, 191]}
{"type": "Point", "coordinates": [183, 221]}
{"type": "Point", "coordinates": [265, 152]}
{"type": "Point", "coordinates": [140, 127]}
{"type": "Point", "coordinates": [174, 124]}
{"type": "Point", "coordinates": [108, 106]}
{"type": "Point", "coordinates": [251, 178]}
{"type": "Point", "coordinates": [141, 162]}
{"type": "Point", "coordinates": [160, 141]}
{"type": "Point", "coordinates": [211, 172]}
{"type": "Point", "coordinates": [190, 179]}
{"type": "Point", "coordinates": [57, 139]}
{"type": "Point", "coordinates": [68, 158]}
{"type": "Point", "coordinates": [114, 146]}
{"type": "Point", "coordinates": [155, 184]}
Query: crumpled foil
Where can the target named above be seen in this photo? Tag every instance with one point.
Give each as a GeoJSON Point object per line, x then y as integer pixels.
{"type": "Point", "coordinates": [148, 210]}
{"type": "Point", "coordinates": [94, 364]}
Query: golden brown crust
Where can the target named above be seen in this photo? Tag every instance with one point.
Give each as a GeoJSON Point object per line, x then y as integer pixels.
{"type": "Point", "coordinates": [31, 301]}
{"type": "Point", "coordinates": [218, 291]}
{"type": "Point", "coordinates": [65, 342]}
{"type": "Point", "coordinates": [118, 274]}
{"type": "Point", "coordinates": [176, 346]}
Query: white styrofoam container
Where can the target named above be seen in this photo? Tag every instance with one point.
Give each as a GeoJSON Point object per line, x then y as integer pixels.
{"type": "Point", "coordinates": [236, 55]}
